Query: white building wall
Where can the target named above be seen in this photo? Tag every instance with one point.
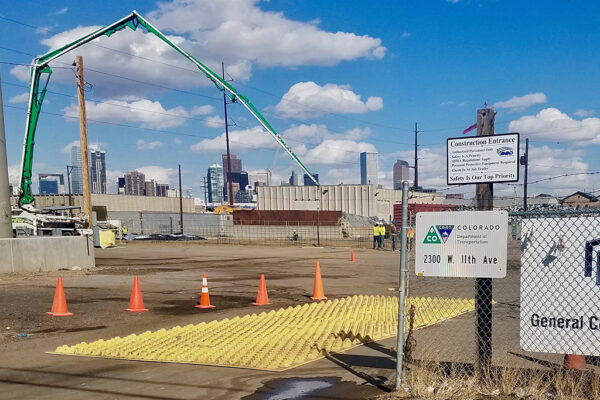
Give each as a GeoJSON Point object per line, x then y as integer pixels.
{"type": "Point", "coordinates": [364, 200]}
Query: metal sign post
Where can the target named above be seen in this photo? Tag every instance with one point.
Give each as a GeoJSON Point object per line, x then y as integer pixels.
{"type": "Point", "coordinates": [402, 287]}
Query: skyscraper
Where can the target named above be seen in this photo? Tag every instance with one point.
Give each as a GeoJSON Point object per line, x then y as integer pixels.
{"type": "Point", "coordinates": [215, 183]}
{"type": "Point", "coordinates": [401, 173]}
{"type": "Point", "coordinates": [76, 174]}
{"type": "Point", "coordinates": [51, 183]}
{"type": "Point", "coordinates": [161, 189]}
{"type": "Point", "coordinates": [135, 183]}
{"type": "Point", "coordinates": [236, 166]}
{"type": "Point", "coordinates": [308, 181]}
{"type": "Point", "coordinates": [149, 188]}
{"type": "Point", "coordinates": [294, 180]}
{"type": "Point", "coordinates": [369, 169]}
{"type": "Point", "coordinates": [98, 171]}
{"type": "Point", "coordinates": [121, 185]}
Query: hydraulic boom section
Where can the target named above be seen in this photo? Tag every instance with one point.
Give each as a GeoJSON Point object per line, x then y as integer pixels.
{"type": "Point", "coordinates": [41, 67]}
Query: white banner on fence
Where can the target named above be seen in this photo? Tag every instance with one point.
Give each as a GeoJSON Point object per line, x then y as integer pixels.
{"type": "Point", "coordinates": [467, 244]}
{"type": "Point", "coordinates": [560, 285]}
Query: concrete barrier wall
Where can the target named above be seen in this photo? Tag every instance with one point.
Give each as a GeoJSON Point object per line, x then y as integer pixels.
{"type": "Point", "coordinates": [35, 254]}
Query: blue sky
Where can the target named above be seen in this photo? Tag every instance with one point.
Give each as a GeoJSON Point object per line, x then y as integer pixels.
{"type": "Point", "coordinates": [334, 78]}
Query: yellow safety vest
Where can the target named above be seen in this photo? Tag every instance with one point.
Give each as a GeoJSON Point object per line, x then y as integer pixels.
{"type": "Point", "coordinates": [382, 231]}
{"type": "Point", "coordinates": [375, 231]}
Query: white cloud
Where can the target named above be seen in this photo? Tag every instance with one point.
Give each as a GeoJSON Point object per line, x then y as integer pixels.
{"type": "Point", "coordinates": [584, 113]}
{"type": "Point", "coordinates": [453, 1]}
{"type": "Point", "coordinates": [20, 98]}
{"type": "Point", "coordinates": [91, 146]}
{"type": "Point", "coordinates": [240, 141]}
{"type": "Point", "coordinates": [453, 103]}
{"type": "Point", "coordinates": [517, 103]}
{"type": "Point", "coordinates": [237, 32]}
{"type": "Point", "coordinates": [143, 145]}
{"type": "Point", "coordinates": [147, 113]}
{"type": "Point", "coordinates": [214, 121]}
{"type": "Point", "coordinates": [247, 33]}
{"type": "Point", "coordinates": [14, 172]}
{"type": "Point", "coordinates": [315, 133]}
{"type": "Point", "coordinates": [309, 100]}
{"type": "Point", "coordinates": [202, 110]}
{"type": "Point", "coordinates": [159, 174]}
{"type": "Point", "coordinates": [60, 12]}
{"type": "Point", "coordinates": [335, 152]}
{"type": "Point", "coordinates": [547, 162]}
{"type": "Point", "coordinates": [405, 35]}
{"type": "Point", "coordinates": [177, 141]}
{"type": "Point", "coordinates": [553, 125]}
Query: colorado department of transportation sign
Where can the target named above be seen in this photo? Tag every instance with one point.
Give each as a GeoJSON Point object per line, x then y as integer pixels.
{"type": "Point", "coordinates": [483, 159]}
{"type": "Point", "coordinates": [560, 285]}
{"type": "Point", "coordinates": [469, 244]}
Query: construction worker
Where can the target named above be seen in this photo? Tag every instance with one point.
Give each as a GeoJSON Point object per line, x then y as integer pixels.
{"type": "Point", "coordinates": [394, 234]}
{"type": "Point", "coordinates": [123, 231]}
{"type": "Point", "coordinates": [376, 236]}
{"type": "Point", "coordinates": [382, 235]}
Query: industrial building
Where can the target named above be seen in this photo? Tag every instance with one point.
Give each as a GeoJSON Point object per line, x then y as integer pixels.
{"type": "Point", "coordinates": [363, 200]}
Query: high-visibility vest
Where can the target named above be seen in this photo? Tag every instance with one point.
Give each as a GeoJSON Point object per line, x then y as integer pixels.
{"type": "Point", "coordinates": [382, 231]}
{"type": "Point", "coordinates": [375, 231]}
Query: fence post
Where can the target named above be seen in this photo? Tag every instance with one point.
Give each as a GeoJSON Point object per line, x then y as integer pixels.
{"type": "Point", "coordinates": [402, 287]}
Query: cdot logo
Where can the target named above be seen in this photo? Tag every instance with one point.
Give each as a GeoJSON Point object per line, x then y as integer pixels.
{"type": "Point", "coordinates": [432, 236]}
{"type": "Point", "coordinates": [438, 234]}
{"type": "Point", "coordinates": [445, 231]}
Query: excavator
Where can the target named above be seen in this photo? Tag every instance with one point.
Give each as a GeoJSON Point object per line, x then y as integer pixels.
{"type": "Point", "coordinates": [41, 69]}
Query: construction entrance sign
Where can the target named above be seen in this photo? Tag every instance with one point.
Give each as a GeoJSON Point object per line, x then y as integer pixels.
{"type": "Point", "coordinates": [469, 244]}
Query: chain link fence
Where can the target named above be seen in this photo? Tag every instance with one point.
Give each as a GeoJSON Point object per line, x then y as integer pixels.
{"type": "Point", "coordinates": [546, 307]}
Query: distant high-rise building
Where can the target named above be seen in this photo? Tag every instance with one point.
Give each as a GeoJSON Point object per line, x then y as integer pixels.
{"type": "Point", "coordinates": [173, 193]}
{"type": "Point", "coordinates": [401, 173]}
{"type": "Point", "coordinates": [215, 183]}
{"type": "Point", "coordinates": [308, 181]}
{"type": "Point", "coordinates": [76, 175]}
{"type": "Point", "coordinates": [149, 188]}
{"type": "Point", "coordinates": [161, 189]}
{"type": "Point", "coordinates": [135, 183]}
{"type": "Point", "coordinates": [98, 171]}
{"type": "Point", "coordinates": [253, 178]}
{"type": "Point", "coordinates": [121, 185]}
{"type": "Point", "coordinates": [236, 166]}
{"type": "Point", "coordinates": [294, 179]}
{"type": "Point", "coordinates": [369, 169]}
{"type": "Point", "coordinates": [51, 183]}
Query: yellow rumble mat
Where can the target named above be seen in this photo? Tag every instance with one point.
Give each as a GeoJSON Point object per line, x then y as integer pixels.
{"type": "Point", "coordinates": [276, 340]}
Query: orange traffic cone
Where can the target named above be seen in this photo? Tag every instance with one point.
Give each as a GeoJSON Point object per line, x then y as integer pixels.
{"type": "Point", "coordinates": [318, 292]}
{"type": "Point", "coordinates": [204, 298]}
{"type": "Point", "coordinates": [136, 303]}
{"type": "Point", "coordinates": [262, 298]}
{"type": "Point", "coordinates": [59, 305]}
{"type": "Point", "coordinates": [352, 258]}
{"type": "Point", "coordinates": [575, 361]}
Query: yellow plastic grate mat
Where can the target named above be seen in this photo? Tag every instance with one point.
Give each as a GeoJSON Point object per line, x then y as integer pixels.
{"type": "Point", "coordinates": [276, 340]}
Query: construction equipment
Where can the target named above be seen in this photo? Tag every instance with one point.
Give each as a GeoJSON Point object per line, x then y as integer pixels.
{"type": "Point", "coordinates": [225, 209]}
{"type": "Point", "coordinates": [47, 222]}
{"type": "Point", "coordinates": [41, 67]}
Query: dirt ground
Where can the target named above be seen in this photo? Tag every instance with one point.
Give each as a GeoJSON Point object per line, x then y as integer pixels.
{"type": "Point", "coordinates": [171, 277]}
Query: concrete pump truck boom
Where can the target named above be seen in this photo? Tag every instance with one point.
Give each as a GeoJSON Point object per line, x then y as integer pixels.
{"type": "Point", "coordinates": [37, 91]}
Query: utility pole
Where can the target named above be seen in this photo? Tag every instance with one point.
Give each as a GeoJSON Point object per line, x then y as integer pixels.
{"type": "Point", "coordinates": [229, 182]}
{"type": "Point", "coordinates": [180, 201]}
{"type": "Point", "coordinates": [416, 182]}
{"type": "Point", "coordinates": [484, 195]}
{"type": "Point", "coordinates": [5, 213]}
{"type": "Point", "coordinates": [525, 161]}
{"type": "Point", "coordinates": [85, 170]}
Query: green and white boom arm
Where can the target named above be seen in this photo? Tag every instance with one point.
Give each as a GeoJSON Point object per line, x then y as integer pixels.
{"type": "Point", "coordinates": [41, 67]}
